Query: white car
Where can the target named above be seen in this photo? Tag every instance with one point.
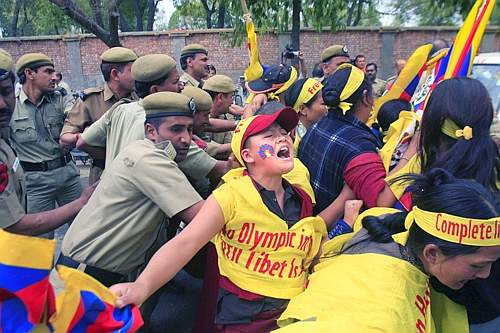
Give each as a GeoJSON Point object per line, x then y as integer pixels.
{"type": "Point", "coordinates": [486, 68]}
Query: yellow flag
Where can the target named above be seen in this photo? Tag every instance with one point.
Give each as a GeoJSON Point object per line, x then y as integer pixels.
{"type": "Point", "coordinates": [254, 70]}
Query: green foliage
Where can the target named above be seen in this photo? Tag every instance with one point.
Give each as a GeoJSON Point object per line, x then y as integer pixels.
{"type": "Point", "coordinates": [188, 15]}
{"type": "Point", "coordinates": [36, 17]}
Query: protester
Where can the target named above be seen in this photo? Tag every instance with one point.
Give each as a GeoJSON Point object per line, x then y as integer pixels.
{"type": "Point", "coordinates": [51, 175]}
{"type": "Point", "coordinates": [257, 278]}
{"type": "Point", "coordinates": [62, 84]}
{"type": "Point", "coordinates": [378, 84]}
{"type": "Point", "coordinates": [193, 61]}
{"type": "Point", "coordinates": [305, 97]}
{"type": "Point", "coordinates": [341, 149]}
{"type": "Point", "coordinates": [116, 64]}
{"type": "Point", "coordinates": [382, 272]}
{"type": "Point", "coordinates": [13, 216]}
{"type": "Point", "coordinates": [389, 112]}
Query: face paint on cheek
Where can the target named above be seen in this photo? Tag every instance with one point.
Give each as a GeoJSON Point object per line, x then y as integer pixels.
{"type": "Point", "coordinates": [265, 151]}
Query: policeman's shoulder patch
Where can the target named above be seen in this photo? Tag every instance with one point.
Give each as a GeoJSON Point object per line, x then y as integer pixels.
{"type": "Point", "coordinates": [89, 91]}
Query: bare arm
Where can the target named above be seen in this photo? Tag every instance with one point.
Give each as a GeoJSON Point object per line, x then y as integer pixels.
{"type": "Point", "coordinates": [335, 210]}
{"type": "Point", "coordinates": [39, 223]}
{"type": "Point", "coordinates": [172, 256]}
{"type": "Point", "coordinates": [221, 125]}
{"type": "Point", "coordinates": [95, 152]}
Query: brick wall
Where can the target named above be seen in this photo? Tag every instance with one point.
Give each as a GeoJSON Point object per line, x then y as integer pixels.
{"type": "Point", "coordinates": [84, 72]}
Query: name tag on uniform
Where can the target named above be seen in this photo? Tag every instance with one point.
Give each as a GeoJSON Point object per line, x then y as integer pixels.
{"type": "Point", "coordinates": [15, 165]}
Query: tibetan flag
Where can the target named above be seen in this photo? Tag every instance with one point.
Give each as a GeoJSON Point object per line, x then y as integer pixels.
{"type": "Point", "coordinates": [26, 295]}
{"type": "Point", "coordinates": [405, 85]}
{"type": "Point", "coordinates": [86, 305]}
{"type": "Point", "coordinates": [254, 70]}
{"type": "Point", "coordinates": [468, 39]}
{"type": "Point", "coordinates": [457, 62]}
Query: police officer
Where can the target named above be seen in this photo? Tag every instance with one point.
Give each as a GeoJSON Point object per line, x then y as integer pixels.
{"type": "Point", "coordinates": [51, 174]}
{"type": "Point", "coordinates": [332, 57]}
{"type": "Point", "coordinates": [221, 88]}
{"type": "Point", "coordinates": [13, 217]}
{"type": "Point", "coordinates": [116, 66]}
{"type": "Point", "coordinates": [124, 122]}
{"type": "Point", "coordinates": [140, 189]}
{"type": "Point", "coordinates": [194, 63]}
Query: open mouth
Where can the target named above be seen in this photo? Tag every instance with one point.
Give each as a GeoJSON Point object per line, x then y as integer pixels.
{"type": "Point", "coordinates": [283, 153]}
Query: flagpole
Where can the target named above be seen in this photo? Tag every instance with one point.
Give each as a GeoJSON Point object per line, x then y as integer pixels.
{"type": "Point", "coordinates": [245, 7]}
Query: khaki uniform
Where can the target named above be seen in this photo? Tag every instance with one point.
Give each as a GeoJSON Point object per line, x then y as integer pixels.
{"type": "Point", "coordinates": [123, 217]}
{"type": "Point", "coordinates": [51, 175]}
{"type": "Point", "coordinates": [378, 87]}
{"type": "Point", "coordinates": [87, 110]}
{"type": "Point", "coordinates": [188, 80]}
{"type": "Point", "coordinates": [13, 189]}
{"type": "Point", "coordinates": [124, 123]}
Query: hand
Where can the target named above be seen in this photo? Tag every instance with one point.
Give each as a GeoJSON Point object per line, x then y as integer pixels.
{"type": "Point", "coordinates": [68, 140]}
{"type": "Point", "coordinates": [236, 110]}
{"type": "Point", "coordinates": [301, 56]}
{"type": "Point", "coordinates": [257, 101]}
{"type": "Point", "coordinates": [129, 293]}
{"type": "Point", "coordinates": [351, 211]}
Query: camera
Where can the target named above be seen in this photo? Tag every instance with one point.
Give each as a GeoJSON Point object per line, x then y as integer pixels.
{"type": "Point", "coordinates": [290, 53]}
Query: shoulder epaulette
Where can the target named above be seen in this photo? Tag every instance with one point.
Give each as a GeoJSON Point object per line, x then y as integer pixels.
{"type": "Point", "coordinates": [89, 91]}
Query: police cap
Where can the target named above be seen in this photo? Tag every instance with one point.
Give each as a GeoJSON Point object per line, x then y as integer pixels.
{"type": "Point", "coordinates": [193, 48]}
{"type": "Point", "coordinates": [334, 51]}
{"type": "Point", "coordinates": [219, 83]}
{"type": "Point", "coordinates": [201, 98]}
{"type": "Point", "coordinates": [33, 61]}
{"type": "Point", "coordinates": [151, 67]}
{"type": "Point", "coordinates": [118, 54]}
{"type": "Point", "coordinates": [166, 104]}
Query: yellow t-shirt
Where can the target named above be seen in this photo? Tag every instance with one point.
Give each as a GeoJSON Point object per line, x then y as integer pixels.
{"type": "Point", "coordinates": [257, 251]}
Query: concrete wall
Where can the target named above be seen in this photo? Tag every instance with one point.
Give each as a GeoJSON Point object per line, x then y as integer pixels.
{"type": "Point", "coordinates": [77, 57]}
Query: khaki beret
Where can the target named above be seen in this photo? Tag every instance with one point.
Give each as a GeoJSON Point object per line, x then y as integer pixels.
{"type": "Point", "coordinates": [219, 83]}
{"type": "Point", "coordinates": [6, 62]}
{"type": "Point", "coordinates": [166, 104]}
{"type": "Point", "coordinates": [193, 48]}
{"type": "Point", "coordinates": [118, 54]}
{"type": "Point", "coordinates": [152, 67]}
{"type": "Point", "coordinates": [334, 51]}
{"type": "Point", "coordinates": [202, 99]}
{"type": "Point", "coordinates": [32, 60]}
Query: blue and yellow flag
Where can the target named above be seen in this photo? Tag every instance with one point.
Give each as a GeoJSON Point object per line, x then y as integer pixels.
{"type": "Point", "coordinates": [86, 305]}
{"type": "Point", "coordinates": [26, 295]}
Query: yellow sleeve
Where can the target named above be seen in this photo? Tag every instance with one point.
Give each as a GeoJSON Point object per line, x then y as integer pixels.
{"type": "Point", "coordinates": [225, 199]}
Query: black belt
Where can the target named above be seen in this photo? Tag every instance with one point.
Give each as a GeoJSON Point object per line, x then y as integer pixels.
{"type": "Point", "coordinates": [98, 163]}
{"type": "Point", "coordinates": [47, 165]}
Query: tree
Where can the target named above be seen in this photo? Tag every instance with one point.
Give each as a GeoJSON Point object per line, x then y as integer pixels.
{"type": "Point", "coordinates": [188, 11]}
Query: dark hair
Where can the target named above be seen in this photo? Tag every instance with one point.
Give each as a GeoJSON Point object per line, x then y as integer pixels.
{"type": "Point", "coordinates": [317, 70]}
{"type": "Point", "coordinates": [359, 56]}
{"type": "Point", "coordinates": [142, 88]}
{"type": "Point", "coordinates": [438, 44]}
{"type": "Point", "coordinates": [155, 122]}
{"type": "Point", "coordinates": [389, 112]}
{"type": "Point", "coordinates": [59, 75]}
{"type": "Point", "coordinates": [107, 67]}
{"type": "Point", "coordinates": [212, 68]}
{"type": "Point", "coordinates": [334, 85]}
{"type": "Point", "coordinates": [184, 58]}
{"type": "Point", "coordinates": [292, 94]}
{"type": "Point", "coordinates": [372, 64]}
{"type": "Point", "coordinates": [466, 102]}
{"type": "Point", "coordinates": [436, 191]}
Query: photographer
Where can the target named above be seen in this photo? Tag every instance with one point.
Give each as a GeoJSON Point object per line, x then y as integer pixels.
{"type": "Point", "coordinates": [289, 54]}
